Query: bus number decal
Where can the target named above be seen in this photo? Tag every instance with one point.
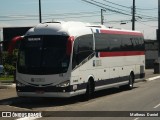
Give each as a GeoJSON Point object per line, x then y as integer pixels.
{"type": "Point", "coordinates": [97, 63]}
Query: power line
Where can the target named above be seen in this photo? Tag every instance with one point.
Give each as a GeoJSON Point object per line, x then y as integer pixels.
{"type": "Point", "coordinates": [147, 9]}
{"type": "Point", "coordinates": [27, 17]}
{"type": "Point", "coordinates": [133, 10]}
{"type": "Point", "coordinates": [151, 18]}
{"type": "Point", "coordinates": [146, 24]}
{"type": "Point", "coordinates": [130, 7]}
{"type": "Point", "coordinates": [117, 4]}
{"type": "Point", "coordinates": [141, 15]}
{"type": "Point", "coordinates": [109, 6]}
{"type": "Point", "coordinates": [58, 14]}
{"type": "Point", "coordinates": [118, 21]}
{"type": "Point", "coordinates": [112, 10]}
{"type": "Point", "coordinates": [18, 19]}
{"type": "Point", "coordinates": [76, 15]}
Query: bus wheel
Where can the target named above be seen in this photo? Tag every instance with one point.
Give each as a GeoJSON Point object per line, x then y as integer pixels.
{"type": "Point", "coordinates": [90, 89]}
{"type": "Point", "coordinates": [131, 81]}
{"type": "Point", "coordinates": [129, 86]}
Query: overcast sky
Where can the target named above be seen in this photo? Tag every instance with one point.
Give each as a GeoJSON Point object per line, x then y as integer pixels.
{"type": "Point", "coordinates": [25, 13]}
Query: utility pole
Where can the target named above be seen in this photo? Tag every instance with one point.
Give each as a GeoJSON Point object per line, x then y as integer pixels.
{"type": "Point", "coordinates": [157, 62]}
{"type": "Point", "coordinates": [133, 15]}
{"type": "Point", "coordinates": [158, 31]}
{"type": "Point", "coordinates": [102, 16]}
{"type": "Point", "coordinates": [158, 14]}
{"type": "Point", "coordinates": [40, 17]}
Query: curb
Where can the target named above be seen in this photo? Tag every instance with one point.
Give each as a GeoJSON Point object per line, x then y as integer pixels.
{"type": "Point", "coordinates": [7, 85]}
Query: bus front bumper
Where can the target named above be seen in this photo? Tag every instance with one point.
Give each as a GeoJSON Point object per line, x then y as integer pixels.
{"type": "Point", "coordinates": [47, 94]}
{"type": "Point", "coordinates": [51, 94]}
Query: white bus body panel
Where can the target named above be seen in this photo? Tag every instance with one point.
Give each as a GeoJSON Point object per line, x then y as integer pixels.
{"type": "Point", "coordinates": [99, 68]}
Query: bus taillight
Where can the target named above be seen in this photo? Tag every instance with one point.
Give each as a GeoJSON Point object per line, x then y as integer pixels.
{"type": "Point", "coordinates": [69, 45]}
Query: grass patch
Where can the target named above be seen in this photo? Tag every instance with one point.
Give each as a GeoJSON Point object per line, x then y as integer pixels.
{"type": "Point", "coordinates": [6, 78]}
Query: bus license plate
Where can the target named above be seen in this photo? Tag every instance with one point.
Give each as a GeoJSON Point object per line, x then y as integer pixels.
{"type": "Point", "coordinates": [37, 80]}
{"type": "Point", "coordinates": [39, 92]}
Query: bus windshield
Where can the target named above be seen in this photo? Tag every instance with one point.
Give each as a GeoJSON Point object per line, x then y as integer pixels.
{"type": "Point", "coordinates": [43, 55]}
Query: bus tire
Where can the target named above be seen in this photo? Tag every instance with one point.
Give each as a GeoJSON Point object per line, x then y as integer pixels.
{"type": "Point", "coordinates": [90, 89]}
{"type": "Point", "coordinates": [129, 86]}
{"type": "Point", "coordinates": [131, 81]}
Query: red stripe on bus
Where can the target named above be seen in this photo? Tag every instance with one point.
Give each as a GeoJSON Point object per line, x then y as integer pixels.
{"type": "Point", "coordinates": [115, 54]}
{"type": "Point", "coordinates": [121, 32]}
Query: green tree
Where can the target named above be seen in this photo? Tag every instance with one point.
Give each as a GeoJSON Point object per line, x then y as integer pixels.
{"type": "Point", "coordinates": [9, 62]}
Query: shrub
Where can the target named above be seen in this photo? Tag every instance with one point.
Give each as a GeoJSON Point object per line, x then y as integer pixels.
{"type": "Point", "coordinates": [9, 62]}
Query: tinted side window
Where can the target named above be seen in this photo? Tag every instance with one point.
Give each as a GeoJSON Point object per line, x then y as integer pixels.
{"type": "Point", "coordinates": [142, 46]}
{"type": "Point", "coordinates": [127, 44]}
{"type": "Point", "coordinates": [102, 42]}
{"type": "Point", "coordinates": [83, 47]}
{"type": "Point", "coordinates": [107, 42]}
{"type": "Point", "coordinates": [138, 43]}
{"type": "Point", "coordinates": [115, 43]}
{"type": "Point", "coordinates": [85, 43]}
{"type": "Point", "coordinates": [112, 42]}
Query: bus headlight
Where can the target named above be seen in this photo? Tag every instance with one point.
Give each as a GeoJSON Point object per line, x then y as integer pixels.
{"type": "Point", "coordinates": [64, 84]}
{"type": "Point", "coordinates": [19, 84]}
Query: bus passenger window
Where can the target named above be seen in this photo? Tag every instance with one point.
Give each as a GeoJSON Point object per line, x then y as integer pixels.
{"type": "Point", "coordinates": [83, 47]}
{"type": "Point", "coordinates": [115, 43]}
{"type": "Point", "coordinates": [127, 44]}
{"type": "Point", "coordinates": [102, 42]}
{"type": "Point", "coordinates": [75, 52]}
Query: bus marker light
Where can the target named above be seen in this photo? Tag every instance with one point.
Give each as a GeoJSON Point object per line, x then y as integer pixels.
{"type": "Point", "coordinates": [69, 45]}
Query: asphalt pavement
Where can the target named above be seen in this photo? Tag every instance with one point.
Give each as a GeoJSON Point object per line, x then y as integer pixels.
{"type": "Point", "coordinates": [143, 97]}
{"type": "Point", "coordinates": [7, 89]}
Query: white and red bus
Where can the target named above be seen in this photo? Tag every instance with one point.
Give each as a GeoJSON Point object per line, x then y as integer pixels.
{"type": "Point", "coordinates": [64, 59]}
